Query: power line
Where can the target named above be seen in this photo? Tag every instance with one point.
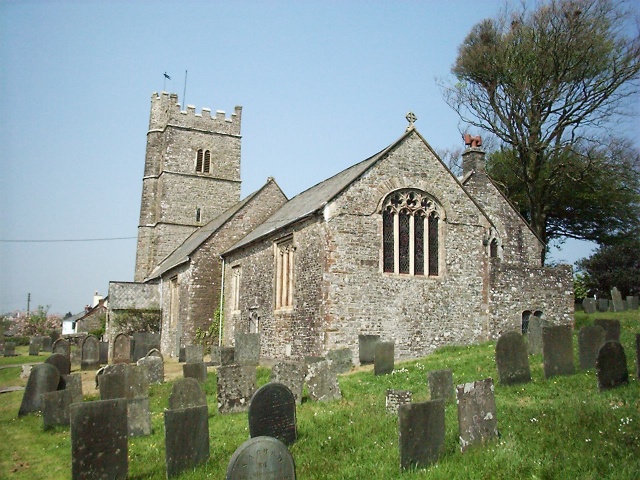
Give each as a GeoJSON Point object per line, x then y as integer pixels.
{"type": "Point", "coordinates": [69, 240]}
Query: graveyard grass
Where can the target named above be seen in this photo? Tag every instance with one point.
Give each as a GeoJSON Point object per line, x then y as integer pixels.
{"type": "Point", "coordinates": [557, 428]}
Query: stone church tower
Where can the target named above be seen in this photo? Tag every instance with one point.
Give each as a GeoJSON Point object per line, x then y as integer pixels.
{"type": "Point", "coordinates": [191, 175]}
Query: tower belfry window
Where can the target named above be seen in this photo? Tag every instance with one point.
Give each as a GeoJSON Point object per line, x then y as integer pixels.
{"type": "Point", "coordinates": [207, 161]}
{"type": "Point", "coordinates": [199, 159]}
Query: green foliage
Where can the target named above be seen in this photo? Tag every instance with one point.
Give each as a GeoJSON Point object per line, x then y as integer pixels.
{"type": "Point", "coordinates": [209, 336]}
{"type": "Point", "coordinates": [38, 322]}
{"type": "Point", "coordinates": [103, 325]}
{"type": "Point", "coordinates": [580, 289]}
{"type": "Point", "coordinates": [137, 320]}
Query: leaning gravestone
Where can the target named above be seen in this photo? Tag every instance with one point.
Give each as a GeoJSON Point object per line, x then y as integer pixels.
{"type": "Point", "coordinates": [421, 432]}
{"type": "Point", "coordinates": [90, 357]}
{"type": "Point", "coordinates": [603, 305]}
{"type": "Point", "coordinates": [341, 359]}
{"type": "Point", "coordinates": [632, 302]}
{"type": "Point", "coordinates": [55, 408]}
{"type": "Point", "coordinates": [590, 339]}
{"type": "Point", "coordinates": [589, 305]}
{"type": "Point", "coordinates": [272, 413]}
{"type": "Point", "coordinates": [99, 439]}
{"type": "Point", "coordinates": [227, 356]}
{"type": "Point", "coordinates": [441, 385]}
{"type": "Point", "coordinates": [611, 328]}
{"type": "Point", "coordinates": [61, 362]}
{"type": "Point", "coordinates": [186, 438]}
{"type": "Point", "coordinates": [322, 382]}
{"type": "Point", "coordinates": [122, 348]}
{"type": "Point", "coordinates": [616, 298]}
{"type": "Point", "coordinates": [557, 350]}
{"type": "Point", "coordinates": [195, 370]}
{"type": "Point", "coordinates": [155, 367]}
{"type": "Point", "coordinates": [186, 393]}
{"type": "Point", "coordinates": [292, 375]}
{"type": "Point", "coordinates": [383, 361]}
{"type": "Point", "coordinates": [477, 421]}
{"type": "Point", "coordinates": [236, 385]}
{"type": "Point", "coordinates": [247, 349]}
{"type": "Point", "coordinates": [62, 347]}
{"type": "Point", "coordinates": [261, 458]}
{"type": "Point", "coordinates": [35, 345]}
{"type": "Point", "coordinates": [44, 378]}
{"type": "Point", "coordinates": [512, 360]}
{"type": "Point", "coordinates": [534, 335]}
{"type": "Point", "coordinates": [367, 348]}
{"type": "Point", "coordinates": [395, 398]}
{"type": "Point", "coordinates": [611, 366]}
{"type": "Point", "coordinates": [193, 353]}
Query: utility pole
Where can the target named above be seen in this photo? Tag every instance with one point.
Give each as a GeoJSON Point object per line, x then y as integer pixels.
{"type": "Point", "coordinates": [28, 302]}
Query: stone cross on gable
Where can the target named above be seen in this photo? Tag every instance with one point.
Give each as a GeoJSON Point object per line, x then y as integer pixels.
{"type": "Point", "coordinates": [411, 118]}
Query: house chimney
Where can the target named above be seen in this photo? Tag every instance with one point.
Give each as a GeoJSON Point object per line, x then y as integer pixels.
{"type": "Point", "coordinates": [473, 158]}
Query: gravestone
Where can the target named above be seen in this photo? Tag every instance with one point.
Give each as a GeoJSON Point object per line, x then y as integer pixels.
{"type": "Point", "coordinates": [421, 432]}
{"type": "Point", "coordinates": [122, 348]}
{"type": "Point", "coordinates": [441, 385]}
{"type": "Point", "coordinates": [186, 438]}
{"type": "Point", "coordinates": [292, 375]}
{"type": "Point", "coordinates": [142, 343]}
{"type": "Point", "coordinates": [227, 356]}
{"type": "Point", "coordinates": [47, 343]}
{"type": "Point", "coordinates": [367, 348]}
{"type": "Point", "coordinates": [611, 366]}
{"type": "Point", "coordinates": [104, 353]}
{"type": "Point", "coordinates": [61, 362]}
{"type": "Point", "coordinates": [383, 360]}
{"type": "Point", "coordinates": [113, 385]}
{"type": "Point", "coordinates": [557, 350]}
{"type": "Point", "coordinates": [124, 381]}
{"type": "Point", "coordinates": [611, 328]}
{"type": "Point", "coordinates": [25, 370]}
{"type": "Point", "coordinates": [9, 349]}
{"type": "Point", "coordinates": [35, 345]}
{"type": "Point", "coordinates": [603, 305]}
{"type": "Point", "coordinates": [155, 367]}
{"type": "Point", "coordinates": [62, 347]}
{"type": "Point", "coordinates": [512, 360]}
{"type": "Point", "coordinates": [632, 302]}
{"type": "Point", "coordinates": [55, 408]}
{"type": "Point", "coordinates": [99, 439]}
{"type": "Point", "coordinates": [589, 305]}
{"type": "Point", "coordinates": [193, 353]}
{"type": "Point", "coordinates": [341, 359]}
{"type": "Point", "coordinates": [182, 355]}
{"type": "Point", "coordinates": [638, 355]}
{"type": "Point", "coordinates": [44, 378]}
{"type": "Point", "coordinates": [261, 458]}
{"type": "Point", "coordinates": [272, 413]}
{"type": "Point", "coordinates": [247, 349]}
{"type": "Point", "coordinates": [236, 385]}
{"type": "Point", "coordinates": [322, 382]}
{"type": "Point", "coordinates": [477, 421]}
{"type": "Point", "coordinates": [395, 398]}
{"type": "Point", "coordinates": [195, 370]}
{"type": "Point", "coordinates": [73, 383]}
{"type": "Point", "coordinates": [138, 417]}
{"type": "Point", "coordinates": [90, 356]}
{"type": "Point", "coordinates": [186, 393]}
{"type": "Point", "coordinates": [616, 299]}
{"type": "Point", "coordinates": [590, 339]}
{"type": "Point", "coordinates": [534, 335]}
{"type": "Point", "coordinates": [214, 356]}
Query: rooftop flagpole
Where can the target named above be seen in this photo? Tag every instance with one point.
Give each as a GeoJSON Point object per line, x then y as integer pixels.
{"type": "Point", "coordinates": [184, 92]}
{"type": "Point", "coordinates": [164, 86]}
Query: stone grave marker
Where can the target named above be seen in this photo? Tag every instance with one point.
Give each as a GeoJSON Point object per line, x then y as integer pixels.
{"type": "Point", "coordinates": [113, 385]}
{"type": "Point", "coordinates": [632, 302]}
{"type": "Point", "coordinates": [638, 355]}
{"type": "Point", "coordinates": [138, 417]}
{"type": "Point", "coordinates": [73, 383]}
{"type": "Point", "coordinates": [227, 356]}
{"type": "Point", "coordinates": [611, 366]}
{"type": "Point", "coordinates": [155, 367]}
{"type": "Point", "coordinates": [291, 374]}
{"type": "Point", "coordinates": [367, 348]}
{"type": "Point", "coordinates": [35, 345]}
{"type": "Point", "coordinates": [99, 439]}
{"type": "Point", "coordinates": [195, 370]}
{"type": "Point", "coordinates": [90, 356]}
{"type": "Point", "coordinates": [261, 458]}
{"type": "Point", "coordinates": [441, 385]}
{"type": "Point", "coordinates": [512, 360]}
{"type": "Point", "coordinates": [214, 356]}
{"type": "Point", "coordinates": [236, 385]}
{"type": "Point", "coordinates": [62, 347]}
{"type": "Point", "coordinates": [44, 378]}
{"type": "Point", "coordinates": [534, 335]}
{"type": "Point", "coordinates": [55, 408]}
{"type": "Point", "coordinates": [589, 305]}
{"type": "Point", "coordinates": [9, 349]}
{"type": "Point", "coordinates": [272, 413]}
{"type": "Point", "coordinates": [247, 349]}
{"type": "Point", "coordinates": [137, 381]}
{"type": "Point", "coordinates": [61, 362]}
{"type": "Point", "coordinates": [383, 362]}
{"type": "Point", "coordinates": [322, 382]}
{"type": "Point", "coordinates": [47, 344]}
{"type": "Point", "coordinates": [186, 438]}
{"type": "Point", "coordinates": [611, 328]}
{"type": "Point", "coordinates": [557, 350]}
{"type": "Point", "coordinates": [182, 354]}
{"type": "Point", "coordinates": [142, 343]}
{"type": "Point", "coordinates": [616, 298]}
{"type": "Point", "coordinates": [590, 339]}
{"type": "Point", "coordinates": [104, 353]}
{"type": "Point", "coordinates": [25, 370]}
{"type": "Point", "coordinates": [395, 398]}
{"type": "Point", "coordinates": [193, 353]}
{"type": "Point", "coordinates": [603, 305]}
{"type": "Point", "coordinates": [477, 421]}
{"type": "Point", "coordinates": [186, 393]}
{"type": "Point", "coordinates": [421, 432]}
{"type": "Point", "coordinates": [131, 383]}
{"type": "Point", "coordinates": [122, 348]}
{"type": "Point", "coordinates": [341, 359]}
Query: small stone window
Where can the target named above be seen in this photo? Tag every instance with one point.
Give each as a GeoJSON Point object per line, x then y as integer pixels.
{"type": "Point", "coordinates": [203, 161]}
{"type": "Point", "coordinates": [284, 252]}
{"type": "Point", "coordinates": [235, 288]}
{"type": "Point", "coordinates": [493, 248]}
{"type": "Point", "coordinates": [198, 215]}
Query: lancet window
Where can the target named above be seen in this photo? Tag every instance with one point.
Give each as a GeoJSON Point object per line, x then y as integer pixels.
{"type": "Point", "coordinates": [284, 251]}
{"type": "Point", "coordinates": [203, 161]}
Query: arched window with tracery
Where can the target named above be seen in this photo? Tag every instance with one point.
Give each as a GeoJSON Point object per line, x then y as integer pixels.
{"type": "Point", "coordinates": [411, 224]}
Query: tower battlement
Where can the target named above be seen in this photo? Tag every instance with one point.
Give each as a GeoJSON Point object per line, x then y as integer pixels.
{"type": "Point", "coordinates": [166, 111]}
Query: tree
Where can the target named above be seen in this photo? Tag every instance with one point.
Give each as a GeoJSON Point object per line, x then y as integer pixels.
{"type": "Point", "coordinates": [548, 83]}
{"type": "Point", "coordinates": [37, 323]}
{"type": "Point", "coordinates": [611, 266]}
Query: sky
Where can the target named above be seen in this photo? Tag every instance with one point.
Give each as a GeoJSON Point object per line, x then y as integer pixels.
{"type": "Point", "coordinates": [323, 85]}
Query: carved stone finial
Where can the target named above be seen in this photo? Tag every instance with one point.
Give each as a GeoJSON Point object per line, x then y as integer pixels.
{"type": "Point", "coordinates": [411, 118]}
{"type": "Point", "coordinates": [472, 142]}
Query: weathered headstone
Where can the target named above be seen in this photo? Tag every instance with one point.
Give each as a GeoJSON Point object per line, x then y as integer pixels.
{"type": "Point", "coordinates": [638, 355]}
{"type": "Point", "coordinates": [534, 335]}
{"type": "Point", "coordinates": [90, 359]}
{"type": "Point", "coordinates": [113, 385]}
{"type": "Point", "coordinates": [421, 432]}
{"type": "Point", "coordinates": [186, 393]}
{"type": "Point", "coordinates": [632, 302]}
{"type": "Point", "coordinates": [589, 305]}
{"type": "Point", "coordinates": [142, 343]}
{"type": "Point", "coordinates": [122, 348]}
{"type": "Point", "coordinates": [9, 349]}
{"type": "Point", "coordinates": [272, 413]}
{"type": "Point", "coordinates": [247, 349]}
{"type": "Point", "coordinates": [186, 434]}
{"type": "Point", "coordinates": [441, 385]}
{"type": "Point", "coordinates": [557, 350]}
{"type": "Point", "coordinates": [367, 348]}
{"type": "Point", "coordinates": [477, 422]}
{"type": "Point", "coordinates": [25, 370]}
{"type": "Point", "coordinates": [104, 353]}
{"type": "Point", "coordinates": [214, 356]}
{"type": "Point", "coordinates": [512, 360]}
{"type": "Point", "coordinates": [61, 362]}
{"type": "Point", "coordinates": [611, 328]}
{"type": "Point", "coordinates": [341, 359]}
{"type": "Point", "coordinates": [611, 366]}
{"type": "Point", "coordinates": [603, 304]}
{"type": "Point", "coordinates": [322, 382]}
{"type": "Point", "coordinates": [590, 339]}
{"type": "Point", "coordinates": [55, 408]}
{"type": "Point", "coordinates": [47, 344]}
{"type": "Point", "coordinates": [138, 417]}
{"type": "Point", "coordinates": [155, 367]}
{"type": "Point", "coordinates": [35, 345]}
{"type": "Point", "coordinates": [73, 383]}
{"type": "Point", "coordinates": [616, 298]}
{"type": "Point", "coordinates": [261, 458]}
{"type": "Point", "coordinates": [44, 378]}
{"type": "Point", "coordinates": [227, 356]}
{"type": "Point", "coordinates": [182, 355]}
{"type": "Point", "coordinates": [395, 398]}
{"type": "Point", "coordinates": [291, 374]}
{"type": "Point", "coordinates": [62, 347]}
{"type": "Point", "coordinates": [195, 370]}
{"type": "Point", "coordinates": [193, 353]}
{"type": "Point", "coordinates": [99, 439]}
{"type": "Point", "coordinates": [236, 385]}
{"type": "Point", "coordinates": [383, 360]}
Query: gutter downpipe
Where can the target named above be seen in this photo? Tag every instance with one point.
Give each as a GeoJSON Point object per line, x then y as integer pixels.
{"type": "Point", "coordinates": [221, 304]}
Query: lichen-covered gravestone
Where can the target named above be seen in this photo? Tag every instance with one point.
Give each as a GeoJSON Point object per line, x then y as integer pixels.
{"type": "Point", "coordinates": [534, 335]}
{"type": "Point", "coordinates": [62, 347]}
{"type": "Point", "coordinates": [56, 408]}
{"type": "Point", "coordinates": [341, 359]}
{"type": "Point", "coordinates": [322, 382]}
{"type": "Point", "coordinates": [292, 375]}
{"type": "Point", "coordinates": [441, 385]}
{"type": "Point", "coordinates": [186, 393]}
{"type": "Point", "coordinates": [383, 361]}
{"type": "Point", "coordinates": [155, 367]}
{"type": "Point", "coordinates": [43, 378]}
{"type": "Point", "coordinates": [35, 345]}
{"type": "Point", "coordinates": [557, 350]}
{"type": "Point", "coordinates": [186, 438]}
{"type": "Point", "coordinates": [227, 356]}
{"type": "Point", "coordinates": [421, 430]}
{"type": "Point", "coordinates": [477, 422]}
{"type": "Point", "coordinates": [590, 339]}
{"type": "Point", "coordinates": [236, 385]}
{"type": "Point", "coordinates": [512, 360]}
{"type": "Point", "coordinates": [90, 356]}
{"type": "Point", "coordinates": [122, 348]}
{"type": "Point", "coordinates": [247, 349]}
{"type": "Point", "coordinates": [611, 366]}
{"type": "Point", "coordinates": [61, 362]}
{"type": "Point", "coordinates": [395, 398]}
{"type": "Point", "coordinates": [611, 328]}
{"type": "Point", "coordinates": [193, 353]}
{"type": "Point", "coordinates": [195, 370]}
{"type": "Point", "coordinates": [73, 383]}
{"type": "Point", "coordinates": [589, 305]}
{"type": "Point", "coordinates": [616, 298]}
{"type": "Point", "coordinates": [632, 302]}
{"type": "Point", "coordinates": [261, 458]}
{"type": "Point", "coordinates": [367, 348]}
{"type": "Point", "coordinates": [272, 413]}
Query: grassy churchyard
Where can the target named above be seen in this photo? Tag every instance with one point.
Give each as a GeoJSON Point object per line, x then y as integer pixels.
{"type": "Point", "coordinates": [557, 428]}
